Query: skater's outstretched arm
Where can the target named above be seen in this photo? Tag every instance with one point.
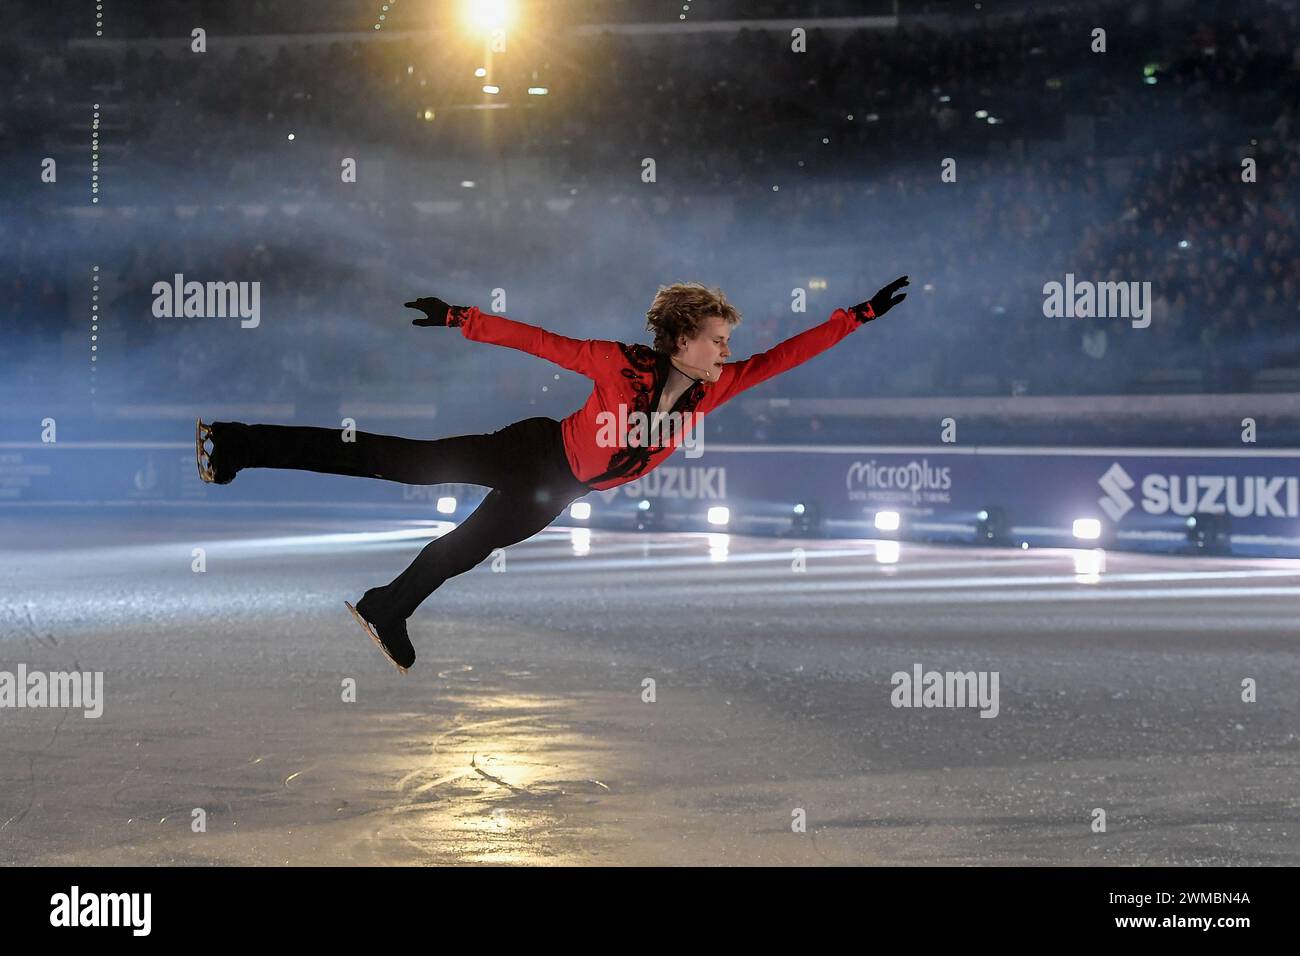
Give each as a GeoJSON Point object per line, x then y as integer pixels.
{"type": "Point", "coordinates": [589, 357]}
{"type": "Point", "coordinates": [794, 351]}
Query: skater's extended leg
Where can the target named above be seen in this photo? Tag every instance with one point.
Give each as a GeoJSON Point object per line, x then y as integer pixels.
{"type": "Point", "coordinates": [490, 459]}
{"type": "Point", "coordinates": [505, 517]}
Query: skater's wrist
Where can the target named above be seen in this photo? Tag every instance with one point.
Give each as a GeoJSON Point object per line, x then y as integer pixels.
{"type": "Point", "coordinates": [862, 313]}
{"type": "Point", "coordinates": [457, 314]}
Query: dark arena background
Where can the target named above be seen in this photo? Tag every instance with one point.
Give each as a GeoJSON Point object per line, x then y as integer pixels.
{"type": "Point", "coordinates": [1006, 577]}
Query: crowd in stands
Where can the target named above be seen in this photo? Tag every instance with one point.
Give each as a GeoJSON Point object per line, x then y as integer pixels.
{"type": "Point", "coordinates": [773, 171]}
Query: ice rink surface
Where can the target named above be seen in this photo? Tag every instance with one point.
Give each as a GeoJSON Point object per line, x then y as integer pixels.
{"type": "Point", "coordinates": [524, 733]}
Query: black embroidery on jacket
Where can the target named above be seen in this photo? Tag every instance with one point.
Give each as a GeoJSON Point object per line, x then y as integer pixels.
{"type": "Point", "coordinates": [641, 359]}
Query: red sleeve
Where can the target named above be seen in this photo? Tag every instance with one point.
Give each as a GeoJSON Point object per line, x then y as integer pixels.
{"type": "Point", "coordinates": [589, 357]}
{"type": "Point", "coordinates": [738, 376]}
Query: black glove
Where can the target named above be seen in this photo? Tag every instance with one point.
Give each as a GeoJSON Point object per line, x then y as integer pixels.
{"type": "Point", "coordinates": [435, 311]}
{"type": "Point", "coordinates": [880, 303]}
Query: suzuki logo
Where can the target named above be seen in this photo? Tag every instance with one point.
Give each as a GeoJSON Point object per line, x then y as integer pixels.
{"type": "Point", "coordinates": [1115, 482]}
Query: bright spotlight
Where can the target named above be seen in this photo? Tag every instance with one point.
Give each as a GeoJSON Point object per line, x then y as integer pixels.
{"type": "Point", "coordinates": [446, 506]}
{"type": "Point", "coordinates": [886, 520]}
{"type": "Point", "coordinates": [581, 510]}
{"type": "Point", "coordinates": [719, 514]}
{"type": "Point", "coordinates": [485, 16]}
{"type": "Point", "coordinates": [1087, 528]}
{"type": "Point", "coordinates": [491, 89]}
{"type": "Point", "coordinates": [643, 504]}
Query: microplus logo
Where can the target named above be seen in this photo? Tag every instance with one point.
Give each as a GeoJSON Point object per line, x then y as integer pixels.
{"type": "Point", "coordinates": [913, 479]}
{"type": "Point", "coordinates": [949, 689]}
{"type": "Point", "coordinates": [1104, 300]}
{"type": "Point", "coordinates": [1242, 496]}
{"type": "Point", "coordinates": [208, 300]}
{"type": "Point", "coordinates": [55, 689]}
{"type": "Point", "coordinates": [102, 909]}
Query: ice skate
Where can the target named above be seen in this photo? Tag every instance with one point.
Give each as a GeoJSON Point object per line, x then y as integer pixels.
{"type": "Point", "coordinates": [214, 473]}
{"type": "Point", "coordinates": [202, 433]}
{"type": "Point", "coordinates": [394, 641]}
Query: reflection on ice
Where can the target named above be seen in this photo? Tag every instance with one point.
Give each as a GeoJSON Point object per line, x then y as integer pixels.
{"type": "Point", "coordinates": [719, 546]}
{"type": "Point", "coordinates": [1089, 565]}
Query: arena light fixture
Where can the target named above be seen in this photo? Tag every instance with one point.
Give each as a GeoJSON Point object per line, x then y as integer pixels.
{"type": "Point", "coordinates": [806, 518]}
{"type": "Point", "coordinates": [887, 520]}
{"type": "Point", "coordinates": [649, 515]}
{"type": "Point", "coordinates": [719, 515]}
{"type": "Point", "coordinates": [992, 526]}
{"type": "Point", "coordinates": [446, 505]}
{"type": "Point", "coordinates": [487, 16]}
{"type": "Point", "coordinates": [1210, 533]}
{"type": "Point", "coordinates": [580, 510]}
{"type": "Point", "coordinates": [1087, 529]}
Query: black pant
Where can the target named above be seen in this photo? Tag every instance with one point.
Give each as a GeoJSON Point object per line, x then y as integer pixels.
{"type": "Point", "coordinates": [524, 464]}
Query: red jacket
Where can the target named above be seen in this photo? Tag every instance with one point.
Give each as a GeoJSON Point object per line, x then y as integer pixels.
{"type": "Point", "coordinates": [634, 376]}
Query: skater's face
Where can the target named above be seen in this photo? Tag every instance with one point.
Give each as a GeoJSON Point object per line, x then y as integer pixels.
{"type": "Point", "coordinates": [706, 353]}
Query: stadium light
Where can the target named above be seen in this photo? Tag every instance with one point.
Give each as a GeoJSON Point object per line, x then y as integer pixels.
{"type": "Point", "coordinates": [806, 518]}
{"type": "Point", "coordinates": [1210, 533]}
{"type": "Point", "coordinates": [719, 514]}
{"type": "Point", "coordinates": [1087, 529]}
{"type": "Point", "coordinates": [580, 510]}
{"type": "Point", "coordinates": [487, 16]}
{"type": "Point", "coordinates": [446, 506]}
{"type": "Point", "coordinates": [992, 526]}
{"type": "Point", "coordinates": [649, 515]}
{"type": "Point", "coordinates": [887, 521]}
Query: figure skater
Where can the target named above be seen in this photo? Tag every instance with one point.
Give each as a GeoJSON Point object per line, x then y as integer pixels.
{"type": "Point", "coordinates": [536, 467]}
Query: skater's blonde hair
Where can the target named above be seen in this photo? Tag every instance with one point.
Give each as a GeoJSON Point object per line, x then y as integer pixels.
{"type": "Point", "coordinates": [679, 309]}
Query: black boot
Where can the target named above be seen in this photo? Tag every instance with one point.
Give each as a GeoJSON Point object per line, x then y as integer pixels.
{"type": "Point", "coordinates": [220, 465]}
{"type": "Point", "coordinates": [387, 630]}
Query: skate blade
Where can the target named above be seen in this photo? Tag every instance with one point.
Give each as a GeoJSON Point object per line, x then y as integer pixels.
{"type": "Point", "coordinates": [374, 637]}
{"type": "Point", "coordinates": [201, 434]}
